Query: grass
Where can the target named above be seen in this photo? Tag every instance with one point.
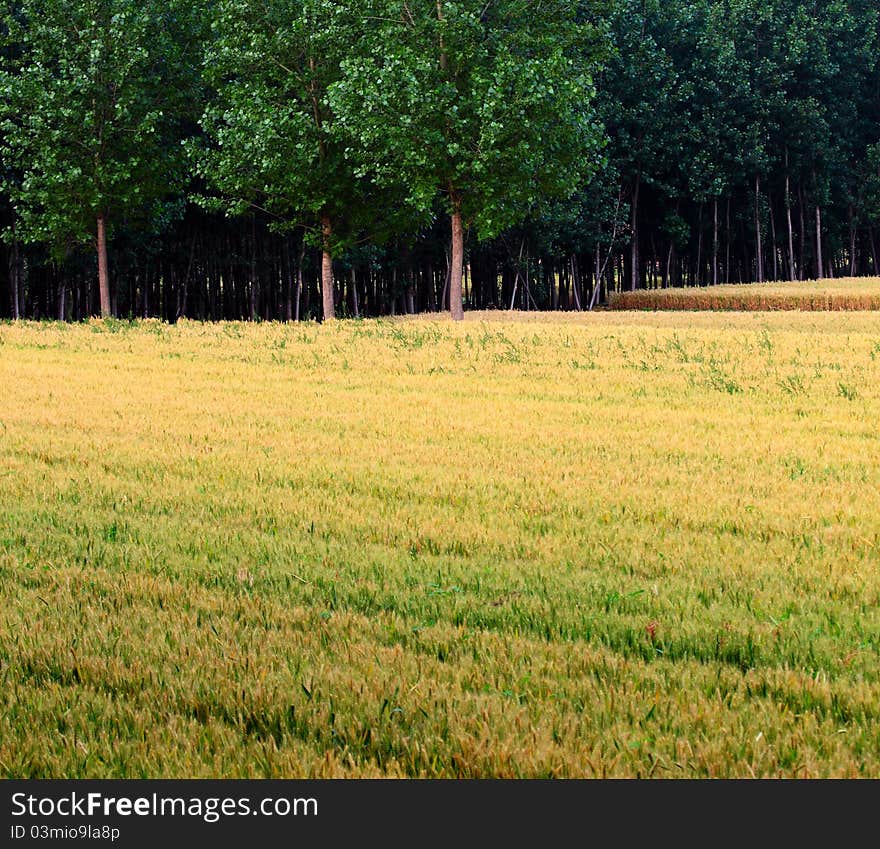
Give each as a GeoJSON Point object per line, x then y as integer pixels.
{"type": "Point", "coordinates": [845, 294]}
{"type": "Point", "coordinates": [617, 544]}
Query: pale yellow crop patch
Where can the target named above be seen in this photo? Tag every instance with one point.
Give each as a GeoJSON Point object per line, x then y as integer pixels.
{"type": "Point", "coordinates": [832, 294]}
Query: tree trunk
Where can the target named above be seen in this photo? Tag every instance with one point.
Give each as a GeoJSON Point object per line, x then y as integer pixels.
{"type": "Point", "coordinates": [287, 276]}
{"type": "Point", "coordinates": [145, 294]}
{"type": "Point", "coordinates": [791, 266]}
{"type": "Point", "coordinates": [727, 242]}
{"type": "Point", "coordinates": [522, 245]}
{"type": "Point", "coordinates": [456, 307]}
{"type": "Point", "coordinates": [759, 257]}
{"type": "Point", "coordinates": [327, 271]}
{"type": "Point", "coordinates": [852, 243]}
{"type": "Point", "coordinates": [715, 241]}
{"type": "Point", "coordinates": [444, 295]}
{"type": "Point", "coordinates": [15, 281]}
{"type": "Point", "coordinates": [802, 234]}
{"type": "Point", "coordinates": [576, 283]}
{"type": "Point", "coordinates": [819, 267]}
{"type": "Point", "coordinates": [698, 271]}
{"type": "Point", "coordinates": [355, 306]}
{"type": "Point", "coordinates": [62, 298]}
{"type": "Point", "coordinates": [773, 237]}
{"type": "Point", "coordinates": [252, 291]}
{"type": "Point", "coordinates": [76, 301]}
{"type": "Point", "coordinates": [634, 247]}
{"type": "Point", "coordinates": [432, 289]}
{"type": "Point", "coordinates": [183, 289]}
{"type": "Point", "coordinates": [299, 280]}
{"type": "Point", "coordinates": [392, 301]}
{"type": "Point", "coordinates": [103, 273]}
{"type": "Point", "coordinates": [596, 294]}
{"type": "Point", "coordinates": [875, 268]}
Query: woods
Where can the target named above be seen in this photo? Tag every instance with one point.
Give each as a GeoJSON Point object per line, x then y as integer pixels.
{"type": "Point", "coordinates": [303, 159]}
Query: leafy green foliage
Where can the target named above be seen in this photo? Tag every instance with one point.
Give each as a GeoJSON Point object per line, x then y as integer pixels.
{"type": "Point", "coordinates": [270, 140]}
{"type": "Point", "coordinates": [657, 143]}
{"type": "Point", "coordinates": [488, 103]}
{"type": "Point", "coordinates": [92, 104]}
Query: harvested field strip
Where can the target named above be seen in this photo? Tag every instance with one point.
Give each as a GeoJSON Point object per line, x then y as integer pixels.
{"type": "Point", "coordinates": [850, 294]}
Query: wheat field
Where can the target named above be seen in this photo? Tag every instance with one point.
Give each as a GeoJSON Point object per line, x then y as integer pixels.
{"type": "Point", "coordinates": [838, 294]}
{"type": "Point", "coordinates": [616, 544]}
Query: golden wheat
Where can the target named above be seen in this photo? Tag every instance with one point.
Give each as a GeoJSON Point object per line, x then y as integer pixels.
{"type": "Point", "coordinates": [614, 544]}
{"type": "Point", "coordinates": [846, 294]}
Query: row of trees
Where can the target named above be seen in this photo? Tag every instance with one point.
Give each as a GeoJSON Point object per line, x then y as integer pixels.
{"type": "Point", "coordinates": [282, 159]}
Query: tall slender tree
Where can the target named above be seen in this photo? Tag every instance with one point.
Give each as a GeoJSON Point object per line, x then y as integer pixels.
{"type": "Point", "coordinates": [270, 140]}
{"type": "Point", "coordinates": [487, 103]}
{"type": "Point", "coordinates": [89, 116]}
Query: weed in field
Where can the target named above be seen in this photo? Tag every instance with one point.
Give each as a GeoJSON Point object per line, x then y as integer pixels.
{"type": "Point", "coordinates": [845, 390]}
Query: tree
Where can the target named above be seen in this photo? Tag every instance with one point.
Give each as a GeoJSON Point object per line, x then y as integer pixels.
{"type": "Point", "coordinates": [88, 117]}
{"type": "Point", "coordinates": [638, 100]}
{"type": "Point", "coordinates": [487, 103]}
{"type": "Point", "coordinates": [270, 142]}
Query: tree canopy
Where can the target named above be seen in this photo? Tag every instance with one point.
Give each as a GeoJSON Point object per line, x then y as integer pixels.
{"type": "Point", "coordinates": [93, 97]}
{"type": "Point", "coordinates": [316, 158]}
